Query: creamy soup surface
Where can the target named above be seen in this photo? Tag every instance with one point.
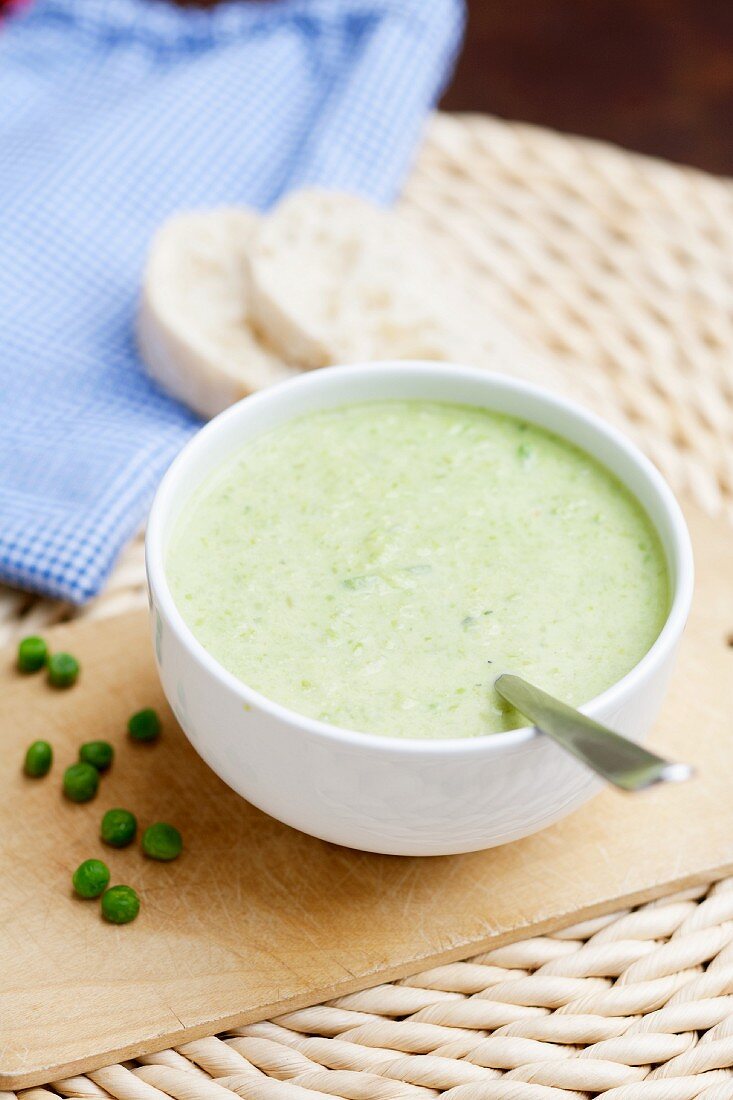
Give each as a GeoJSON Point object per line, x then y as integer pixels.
{"type": "Point", "coordinates": [376, 566]}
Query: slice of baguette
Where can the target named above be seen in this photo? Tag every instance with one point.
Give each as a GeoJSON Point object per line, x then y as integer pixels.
{"type": "Point", "coordinates": [335, 279]}
{"type": "Point", "coordinates": [193, 329]}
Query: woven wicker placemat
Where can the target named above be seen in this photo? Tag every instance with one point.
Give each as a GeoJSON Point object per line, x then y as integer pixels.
{"type": "Point", "coordinates": [620, 269]}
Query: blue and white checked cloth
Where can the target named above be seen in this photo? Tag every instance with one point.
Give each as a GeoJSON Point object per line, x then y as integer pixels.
{"type": "Point", "coordinates": [114, 114]}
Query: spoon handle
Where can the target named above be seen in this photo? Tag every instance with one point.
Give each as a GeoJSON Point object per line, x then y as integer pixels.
{"type": "Point", "coordinates": [616, 759]}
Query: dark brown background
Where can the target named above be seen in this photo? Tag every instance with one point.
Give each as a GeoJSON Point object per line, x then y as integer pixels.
{"type": "Point", "coordinates": [654, 75]}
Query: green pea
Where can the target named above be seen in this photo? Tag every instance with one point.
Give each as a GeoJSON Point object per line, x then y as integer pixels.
{"type": "Point", "coordinates": [118, 828]}
{"type": "Point", "coordinates": [91, 878]}
{"type": "Point", "coordinates": [120, 904]}
{"type": "Point", "coordinates": [162, 841]}
{"type": "Point", "coordinates": [63, 670]}
{"type": "Point", "coordinates": [98, 753]}
{"type": "Point", "coordinates": [38, 759]}
{"type": "Point", "coordinates": [32, 654]}
{"type": "Point", "coordinates": [81, 782]}
{"type": "Point", "coordinates": [145, 725]}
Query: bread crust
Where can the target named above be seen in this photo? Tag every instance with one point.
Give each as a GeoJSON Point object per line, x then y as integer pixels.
{"type": "Point", "coordinates": [193, 328]}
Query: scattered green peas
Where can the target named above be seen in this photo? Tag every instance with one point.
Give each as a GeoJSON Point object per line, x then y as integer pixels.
{"type": "Point", "coordinates": [63, 670]}
{"type": "Point", "coordinates": [81, 782]}
{"type": "Point", "coordinates": [38, 759]}
{"type": "Point", "coordinates": [145, 725]}
{"type": "Point", "coordinates": [120, 904]}
{"type": "Point", "coordinates": [32, 654]}
{"type": "Point", "coordinates": [91, 878]}
{"type": "Point", "coordinates": [98, 753]}
{"type": "Point", "coordinates": [118, 828]}
{"type": "Point", "coordinates": [162, 841]}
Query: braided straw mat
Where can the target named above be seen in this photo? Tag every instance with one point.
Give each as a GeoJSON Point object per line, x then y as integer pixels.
{"type": "Point", "coordinates": [620, 270]}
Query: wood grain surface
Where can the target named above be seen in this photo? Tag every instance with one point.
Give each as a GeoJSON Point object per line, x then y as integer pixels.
{"type": "Point", "coordinates": [255, 917]}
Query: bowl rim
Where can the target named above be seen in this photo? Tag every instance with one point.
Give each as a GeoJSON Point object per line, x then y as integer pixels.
{"type": "Point", "coordinates": [666, 640]}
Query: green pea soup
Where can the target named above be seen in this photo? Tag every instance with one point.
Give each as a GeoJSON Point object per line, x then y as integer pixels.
{"type": "Point", "coordinates": [377, 565]}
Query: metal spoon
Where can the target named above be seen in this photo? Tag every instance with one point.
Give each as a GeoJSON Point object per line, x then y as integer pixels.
{"type": "Point", "coordinates": [616, 759]}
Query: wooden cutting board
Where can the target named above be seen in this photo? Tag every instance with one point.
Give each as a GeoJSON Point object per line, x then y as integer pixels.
{"type": "Point", "coordinates": [256, 918]}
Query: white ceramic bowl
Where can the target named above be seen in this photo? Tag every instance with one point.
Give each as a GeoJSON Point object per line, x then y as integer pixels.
{"type": "Point", "coordinates": [382, 794]}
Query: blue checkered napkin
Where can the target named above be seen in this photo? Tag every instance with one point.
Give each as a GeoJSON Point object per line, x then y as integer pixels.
{"type": "Point", "coordinates": [114, 114]}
